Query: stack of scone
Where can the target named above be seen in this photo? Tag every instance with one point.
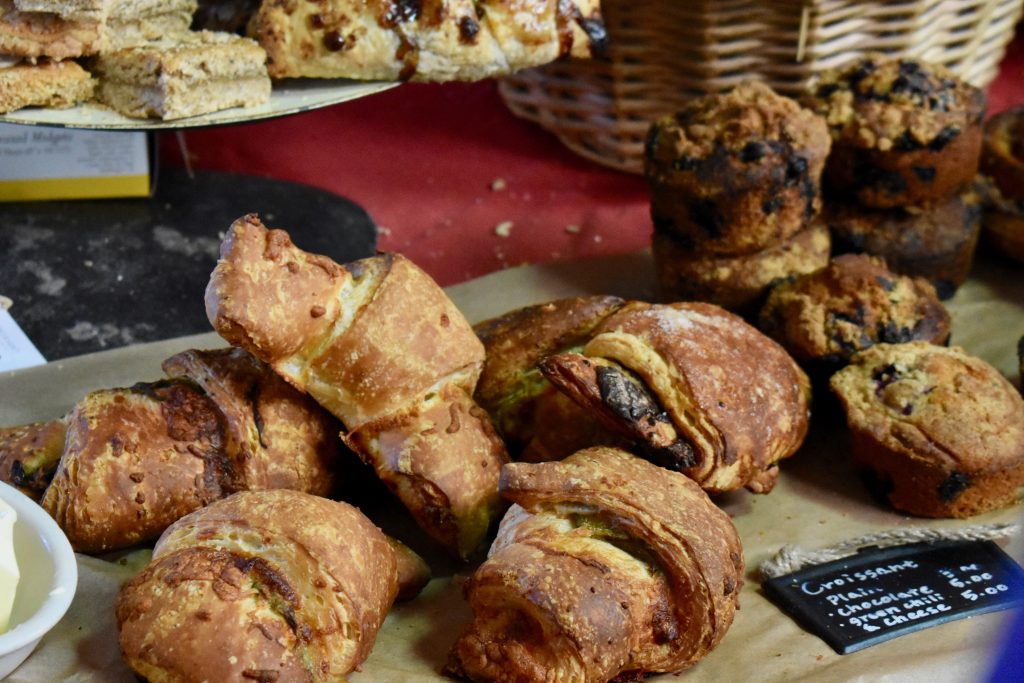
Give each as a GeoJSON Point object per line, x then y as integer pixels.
{"type": "Point", "coordinates": [137, 56]}
{"type": "Point", "coordinates": [906, 140]}
{"type": "Point", "coordinates": [735, 190]}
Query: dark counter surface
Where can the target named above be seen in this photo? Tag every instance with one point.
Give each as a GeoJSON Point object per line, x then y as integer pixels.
{"type": "Point", "coordinates": [91, 275]}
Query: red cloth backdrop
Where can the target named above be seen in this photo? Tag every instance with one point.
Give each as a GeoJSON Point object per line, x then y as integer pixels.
{"type": "Point", "coordinates": [454, 180]}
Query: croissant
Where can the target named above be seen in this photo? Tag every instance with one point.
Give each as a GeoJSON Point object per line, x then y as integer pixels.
{"type": "Point", "coordinates": [262, 585]}
{"type": "Point", "coordinates": [536, 420]}
{"type": "Point", "coordinates": [379, 345]}
{"type": "Point", "coordinates": [604, 565]}
{"type": "Point", "coordinates": [440, 41]}
{"type": "Point", "coordinates": [29, 455]}
{"type": "Point", "coordinates": [695, 388]}
{"type": "Point", "coordinates": [126, 462]}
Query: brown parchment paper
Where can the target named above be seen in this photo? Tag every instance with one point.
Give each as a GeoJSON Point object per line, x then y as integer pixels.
{"type": "Point", "coordinates": [819, 501]}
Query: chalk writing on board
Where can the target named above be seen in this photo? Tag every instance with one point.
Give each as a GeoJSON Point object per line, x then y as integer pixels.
{"type": "Point", "coordinates": [883, 593]}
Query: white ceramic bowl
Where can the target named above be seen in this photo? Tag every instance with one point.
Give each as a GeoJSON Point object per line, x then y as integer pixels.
{"type": "Point", "coordinates": [49, 575]}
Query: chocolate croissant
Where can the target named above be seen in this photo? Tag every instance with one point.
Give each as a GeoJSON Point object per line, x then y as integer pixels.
{"type": "Point", "coordinates": [124, 463]}
{"type": "Point", "coordinates": [263, 585]}
{"type": "Point", "coordinates": [536, 420]}
{"type": "Point", "coordinates": [382, 347]}
{"type": "Point", "coordinates": [695, 388]}
{"type": "Point", "coordinates": [605, 565]}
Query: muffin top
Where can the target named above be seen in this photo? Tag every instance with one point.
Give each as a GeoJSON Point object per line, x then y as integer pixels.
{"type": "Point", "coordinates": [938, 403]}
{"type": "Point", "coordinates": [751, 121]}
{"type": "Point", "coordinates": [852, 304]}
{"type": "Point", "coordinates": [904, 104]}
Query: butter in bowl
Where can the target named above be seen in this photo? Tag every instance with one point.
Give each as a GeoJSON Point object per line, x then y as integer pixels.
{"type": "Point", "coordinates": [38, 576]}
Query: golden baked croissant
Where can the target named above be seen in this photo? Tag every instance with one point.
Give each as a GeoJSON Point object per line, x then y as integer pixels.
{"type": "Point", "coordinates": [537, 421]}
{"type": "Point", "coordinates": [382, 347]}
{"type": "Point", "coordinates": [262, 585]}
{"type": "Point", "coordinates": [695, 388]}
{"type": "Point", "coordinates": [135, 460]}
{"type": "Point", "coordinates": [124, 463]}
{"type": "Point", "coordinates": [606, 564]}
{"type": "Point", "coordinates": [439, 41]}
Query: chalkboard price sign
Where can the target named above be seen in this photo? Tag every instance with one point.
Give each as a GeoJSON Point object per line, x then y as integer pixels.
{"type": "Point", "coordinates": [879, 594]}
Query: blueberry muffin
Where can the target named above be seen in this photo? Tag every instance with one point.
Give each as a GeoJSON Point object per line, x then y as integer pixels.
{"type": "Point", "coordinates": [825, 317]}
{"type": "Point", "coordinates": [1002, 156]}
{"type": "Point", "coordinates": [903, 132]}
{"type": "Point", "coordinates": [934, 241]}
{"type": "Point", "coordinates": [1002, 164]}
{"type": "Point", "coordinates": [736, 283]}
{"type": "Point", "coordinates": [737, 172]}
{"type": "Point", "coordinates": [941, 432]}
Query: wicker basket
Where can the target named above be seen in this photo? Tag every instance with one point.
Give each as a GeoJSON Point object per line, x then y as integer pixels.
{"type": "Point", "coordinates": [663, 52]}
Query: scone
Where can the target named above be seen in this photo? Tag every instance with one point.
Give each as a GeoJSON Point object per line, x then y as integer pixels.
{"type": "Point", "coordinates": [735, 173]}
{"type": "Point", "coordinates": [825, 317]}
{"type": "Point", "coordinates": [196, 74]}
{"type": "Point", "coordinates": [942, 431]}
{"type": "Point", "coordinates": [934, 241]}
{"type": "Point", "coordinates": [903, 132]}
{"type": "Point", "coordinates": [46, 84]}
{"type": "Point", "coordinates": [736, 283]}
{"type": "Point", "coordinates": [439, 41]}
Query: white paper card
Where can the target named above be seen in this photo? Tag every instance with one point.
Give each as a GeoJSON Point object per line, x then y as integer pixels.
{"type": "Point", "coordinates": [16, 349]}
{"type": "Point", "coordinates": [29, 152]}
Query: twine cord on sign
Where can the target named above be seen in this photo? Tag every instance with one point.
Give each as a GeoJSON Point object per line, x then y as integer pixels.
{"type": "Point", "coordinates": [791, 558]}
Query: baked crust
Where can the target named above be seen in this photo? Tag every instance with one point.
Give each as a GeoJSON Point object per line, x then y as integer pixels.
{"type": "Point", "coordinates": [29, 455]}
{"type": "Point", "coordinates": [135, 460]}
{"type": "Point", "coordinates": [380, 345]}
{"type": "Point", "coordinates": [825, 317]}
{"type": "Point", "coordinates": [934, 241]}
{"type": "Point", "coordinates": [268, 585]}
{"type": "Point", "coordinates": [737, 172]}
{"type": "Point", "coordinates": [695, 387]}
{"type": "Point", "coordinates": [440, 41]}
{"type": "Point", "coordinates": [904, 132]}
{"type": "Point", "coordinates": [605, 565]}
{"type": "Point", "coordinates": [274, 436]}
{"type": "Point", "coordinates": [942, 431]}
{"type": "Point", "coordinates": [511, 387]}
{"type": "Point", "coordinates": [736, 283]}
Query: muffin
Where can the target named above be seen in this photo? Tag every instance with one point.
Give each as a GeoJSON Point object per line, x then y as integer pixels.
{"type": "Point", "coordinates": [823, 318]}
{"type": "Point", "coordinates": [941, 431]}
{"type": "Point", "coordinates": [737, 172]}
{"type": "Point", "coordinates": [1002, 156]}
{"type": "Point", "coordinates": [935, 241]}
{"type": "Point", "coordinates": [736, 283]}
{"type": "Point", "coordinates": [1002, 166]}
{"type": "Point", "coordinates": [903, 132]}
